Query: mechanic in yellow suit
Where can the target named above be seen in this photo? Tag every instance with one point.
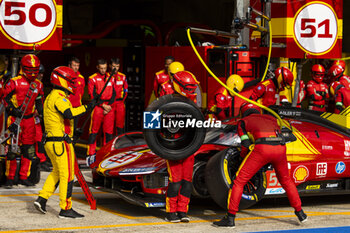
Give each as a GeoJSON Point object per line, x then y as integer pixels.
{"type": "Point", "coordinates": [59, 122]}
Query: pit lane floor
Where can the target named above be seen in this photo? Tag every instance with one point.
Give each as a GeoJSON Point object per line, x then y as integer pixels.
{"type": "Point", "coordinates": [115, 215]}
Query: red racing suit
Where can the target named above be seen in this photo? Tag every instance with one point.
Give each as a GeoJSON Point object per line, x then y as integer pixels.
{"type": "Point", "coordinates": [180, 184]}
{"type": "Point", "coordinates": [342, 99]}
{"type": "Point", "coordinates": [301, 96]}
{"type": "Point", "coordinates": [259, 127]}
{"type": "Point", "coordinates": [162, 84]}
{"type": "Point", "coordinates": [221, 105]}
{"type": "Point", "coordinates": [121, 91]}
{"type": "Point", "coordinates": [77, 96]}
{"type": "Point", "coordinates": [95, 86]}
{"type": "Point", "coordinates": [15, 91]}
{"type": "Point", "coordinates": [265, 93]}
{"type": "Point", "coordinates": [318, 94]}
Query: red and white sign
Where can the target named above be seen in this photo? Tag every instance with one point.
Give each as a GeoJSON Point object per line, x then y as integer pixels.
{"type": "Point", "coordinates": [321, 169]}
{"type": "Point", "coordinates": [316, 28]}
{"type": "Point", "coordinates": [31, 25]}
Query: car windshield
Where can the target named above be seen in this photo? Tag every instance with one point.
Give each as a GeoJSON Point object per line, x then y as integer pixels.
{"type": "Point", "coordinates": [226, 135]}
{"type": "Point", "coordinates": [135, 139]}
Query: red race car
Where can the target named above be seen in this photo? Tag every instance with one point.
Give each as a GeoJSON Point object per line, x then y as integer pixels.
{"type": "Point", "coordinates": [319, 162]}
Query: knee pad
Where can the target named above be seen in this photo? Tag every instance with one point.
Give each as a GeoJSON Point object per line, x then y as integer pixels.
{"type": "Point", "coordinates": [28, 151]}
{"type": "Point", "coordinates": [186, 188]}
{"type": "Point", "coordinates": [10, 155]}
{"type": "Point", "coordinates": [92, 138]}
{"type": "Point", "coordinates": [173, 189]}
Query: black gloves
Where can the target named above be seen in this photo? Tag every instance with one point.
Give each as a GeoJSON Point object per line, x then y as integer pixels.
{"type": "Point", "coordinates": [92, 104]}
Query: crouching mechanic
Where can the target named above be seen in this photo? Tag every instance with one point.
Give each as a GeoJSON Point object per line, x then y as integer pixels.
{"type": "Point", "coordinates": [59, 121]}
{"type": "Point", "coordinates": [180, 171]}
{"type": "Point", "coordinates": [261, 144]}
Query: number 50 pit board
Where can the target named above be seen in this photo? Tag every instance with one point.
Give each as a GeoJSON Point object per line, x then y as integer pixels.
{"type": "Point", "coordinates": [31, 25]}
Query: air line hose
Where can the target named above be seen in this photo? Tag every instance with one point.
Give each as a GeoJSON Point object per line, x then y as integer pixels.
{"type": "Point", "coordinates": [281, 122]}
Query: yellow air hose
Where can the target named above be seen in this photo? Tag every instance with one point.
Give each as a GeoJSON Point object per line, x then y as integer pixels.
{"type": "Point", "coordinates": [281, 122]}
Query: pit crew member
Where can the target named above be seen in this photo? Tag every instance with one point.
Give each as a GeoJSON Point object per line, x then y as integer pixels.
{"type": "Point", "coordinates": [162, 78]}
{"type": "Point", "coordinates": [341, 95]}
{"type": "Point", "coordinates": [317, 90]}
{"type": "Point", "coordinates": [59, 114]}
{"type": "Point", "coordinates": [261, 144]}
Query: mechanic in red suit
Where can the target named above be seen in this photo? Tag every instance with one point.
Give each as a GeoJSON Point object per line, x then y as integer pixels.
{"type": "Point", "coordinates": [336, 73]}
{"type": "Point", "coordinates": [261, 144]}
{"type": "Point", "coordinates": [15, 91]}
{"type": "Point", "coordinates": [301, 96]}
{"type": "Point", "coordinates": [341, 95]}
{"type": "Point", "coordinates": [317, 90]}
{"type": "Point", "coordinates": [102, 113]}
{"type": "Point", "coordinates": [180, 171]}
{"type": "Point", "coordinates": [121, 91]}
{"type": "Point", "coordinates": [221, 106]}
{"type": "Point", "coordinates": [162, 79]}
{"type": "Point", "coordinates": [266, 92]}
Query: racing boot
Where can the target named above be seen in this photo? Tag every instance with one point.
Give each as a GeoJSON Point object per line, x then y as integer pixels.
{"type": "Point", "coordinates": [8, 184]}
{"type": "Point", "coordinates": [40, 204]}
{"type": "Point", "coordinates": [172, 217]}
{"type": "Point", "coordinates": [70, 214]}
{"type": "Point", "coordinates": [26, 182]}
{"type": "Point", "coordinates": [183, 217]}
{"type": "Point", "coordinates": [301, 216]}
{"type": "Point", "coordinates": [227, 221]}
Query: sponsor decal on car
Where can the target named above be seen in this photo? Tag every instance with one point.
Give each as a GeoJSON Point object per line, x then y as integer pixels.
{"type": "Point", "coordinates": [271, 191]}
{"type": "Point", "coordinates": [326, 147]}
{"type": "Point", "coordinates": [347, 145]}
{"type": "Point", "coordinates": [340, 167]}
{"type": "Point", "coordinates": [137, 171]}
{"type": "Point", "coordinates": [346, 153]}
{"type": "Point", "coordinates": [121, 159]}
{"type": "Point", "coordinates": [248, 197]}
{"type": "Point", "coordinates": [155, 204]}
{"type": "Point", "coordinates": [321, 169]}
{"type": "Point", "coordinates": [313, 187]}
{"type": "Point", "coordinates": [300, 174]}
{"type": "Point", "coordinates": [334, 185]}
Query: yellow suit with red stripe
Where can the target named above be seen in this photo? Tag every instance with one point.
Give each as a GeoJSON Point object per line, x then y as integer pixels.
{"type": "Point", "coordinates": [58, 120]}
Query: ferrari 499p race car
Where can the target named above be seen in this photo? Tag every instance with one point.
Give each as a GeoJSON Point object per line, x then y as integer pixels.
{"type": "Point", "coordinates": [318, 162]}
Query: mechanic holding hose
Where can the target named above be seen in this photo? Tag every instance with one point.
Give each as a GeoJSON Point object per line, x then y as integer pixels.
{"type": "Point", "coordinates": [59, 127]}
{"type": "Point", "coordinates": [262, 143]}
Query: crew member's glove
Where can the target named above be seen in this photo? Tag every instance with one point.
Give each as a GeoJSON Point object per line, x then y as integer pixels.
{"type": "Point", "coordinates": [92, 104]}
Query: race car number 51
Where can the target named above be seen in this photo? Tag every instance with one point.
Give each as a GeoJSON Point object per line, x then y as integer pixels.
{"type": "Point", "coordinates": [316, 28]}
{"type": "Point", "coordinates": [27, 22]}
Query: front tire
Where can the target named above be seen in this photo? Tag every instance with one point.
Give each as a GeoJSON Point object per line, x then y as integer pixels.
{"type": "Point", "coordinates": [220, 171]}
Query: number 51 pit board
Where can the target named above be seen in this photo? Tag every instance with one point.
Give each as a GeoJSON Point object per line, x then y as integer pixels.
{"type": "Point", "coordinates": [31, 25]}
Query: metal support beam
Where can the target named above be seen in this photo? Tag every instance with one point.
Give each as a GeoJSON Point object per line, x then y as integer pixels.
{"type": "Point", "coordinates": [241, 8]}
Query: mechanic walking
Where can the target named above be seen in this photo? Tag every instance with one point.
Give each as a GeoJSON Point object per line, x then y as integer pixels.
{"type": "Point", "coordinates": [58, 120]}
{"type": "Point", "coordinates": [15, 93]}
{"type": "Point", "coordinates": [261, 143]}
{"type": "Point", "coordinates": [103, 113]}
{"type": "Point", "coordinates": [121, 91]}
{"type": "Point", "coordinates": [180, 171]}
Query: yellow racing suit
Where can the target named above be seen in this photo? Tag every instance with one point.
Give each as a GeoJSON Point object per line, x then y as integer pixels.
{"type": "Point", "coordinates": [58, 120]}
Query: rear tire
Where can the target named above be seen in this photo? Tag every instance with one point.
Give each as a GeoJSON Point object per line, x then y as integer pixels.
{"type": "Point", "coordinates": [220, 171]}
{"type": "Point", "coordinates": [175, 143]}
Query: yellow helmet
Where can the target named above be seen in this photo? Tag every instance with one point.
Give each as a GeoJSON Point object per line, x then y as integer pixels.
{"type": "Point", "coordinates": [175, 67]}
{"type": "Point", "coordinates": [235, 82]}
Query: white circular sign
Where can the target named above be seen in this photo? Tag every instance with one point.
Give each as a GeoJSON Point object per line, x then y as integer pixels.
{"type": "Point", "coordinates": [27, 22]}
{"type": "Point", "coordinates": [316, 28]}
